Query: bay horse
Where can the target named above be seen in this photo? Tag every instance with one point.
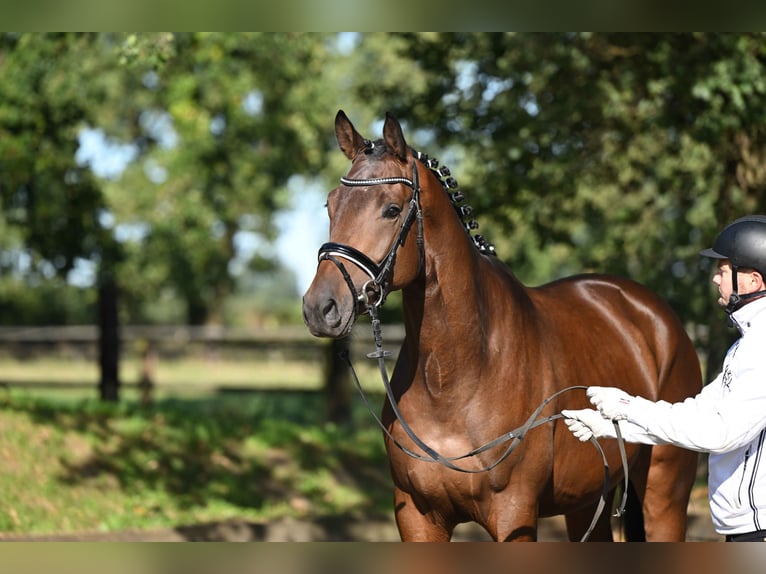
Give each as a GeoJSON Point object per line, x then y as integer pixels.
{"type": "Point", "coordinates": [482, 351]}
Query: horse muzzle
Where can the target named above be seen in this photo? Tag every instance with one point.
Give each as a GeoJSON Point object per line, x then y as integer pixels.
{"type": "Point", "coordinates": [329, 310]}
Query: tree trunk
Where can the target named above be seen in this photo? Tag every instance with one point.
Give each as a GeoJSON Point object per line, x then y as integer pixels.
{"type": "Point", "coordinates": [109, 340]}
{"type": "Point", "coordinates": [197, 312]}
{"type": "Point", "coordinates": [337, 384]}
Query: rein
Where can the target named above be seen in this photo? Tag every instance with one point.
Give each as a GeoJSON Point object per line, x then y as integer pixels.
{"type": "Point", "coordinates": [515, 436]}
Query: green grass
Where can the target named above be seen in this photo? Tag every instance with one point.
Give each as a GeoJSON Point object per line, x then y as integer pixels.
{"type": "Point", "coordinates": [199, 454]}
{"type": "Point", "coordinates": [174, 377]}
{"type": "Point", "coordinates": [81, 465]}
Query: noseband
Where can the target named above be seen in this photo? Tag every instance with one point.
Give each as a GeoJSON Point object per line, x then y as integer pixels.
{"type": "Point", "coordinates": [375, 291]}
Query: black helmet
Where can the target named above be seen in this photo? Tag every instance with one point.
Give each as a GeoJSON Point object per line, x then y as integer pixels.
{"type": "Point", "coordinates": [743, 242]}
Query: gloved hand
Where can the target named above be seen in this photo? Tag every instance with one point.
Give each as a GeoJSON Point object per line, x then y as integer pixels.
{"type": "Point", "coordinates": [611, 402]}
{"type": "Point", "coordinates": [587, 423]}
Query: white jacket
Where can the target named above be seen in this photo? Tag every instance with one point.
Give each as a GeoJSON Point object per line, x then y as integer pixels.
{"type": "Point", "coordinates": [726, 419]}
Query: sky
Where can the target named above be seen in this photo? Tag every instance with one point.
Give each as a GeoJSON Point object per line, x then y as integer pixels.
{"type": "Point", "coordinates": [303, 227]}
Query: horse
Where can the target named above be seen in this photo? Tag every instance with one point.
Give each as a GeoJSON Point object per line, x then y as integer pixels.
{"type": "Point", "coordinates": [481, 351]}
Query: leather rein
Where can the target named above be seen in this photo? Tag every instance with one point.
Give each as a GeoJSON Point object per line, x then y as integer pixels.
{"type": "Point", "coordinates": [373, 295]}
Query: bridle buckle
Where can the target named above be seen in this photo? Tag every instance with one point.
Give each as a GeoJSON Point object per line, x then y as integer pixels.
{"type": "Point", "coordinates": [372, 294]}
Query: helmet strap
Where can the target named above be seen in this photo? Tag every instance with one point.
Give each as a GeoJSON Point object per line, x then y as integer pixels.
{"type": "Point", "coordinates": [734, 299]}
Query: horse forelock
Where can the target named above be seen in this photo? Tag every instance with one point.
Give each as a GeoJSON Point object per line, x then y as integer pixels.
{"type": "Point", "coordinates": [377, 152]}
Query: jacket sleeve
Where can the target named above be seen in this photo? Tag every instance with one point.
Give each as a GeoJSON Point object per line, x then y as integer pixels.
{"type": "Point", "coordinates": [632, 432]}
{"type": "Point", "coordinates": [712, 421]}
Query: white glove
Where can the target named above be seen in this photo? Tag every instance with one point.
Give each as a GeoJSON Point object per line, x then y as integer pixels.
{"type": "Point", "coordinates": [587, 423]}
{"type": "Point", "coordinates": [611, 402]}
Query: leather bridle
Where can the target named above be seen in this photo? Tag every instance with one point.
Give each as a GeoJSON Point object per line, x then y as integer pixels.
{"type": "Point", "coordinates": [374, 292]}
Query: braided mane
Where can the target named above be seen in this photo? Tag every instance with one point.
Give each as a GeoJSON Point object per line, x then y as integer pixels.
{"type": "Point", "coordinates": [450, 185]}
{"type": "Point", "coordinates": [456, 196]}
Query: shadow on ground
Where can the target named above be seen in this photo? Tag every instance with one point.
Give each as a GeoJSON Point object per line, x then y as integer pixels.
{"type": "Point", "coordinates": [329, 529]}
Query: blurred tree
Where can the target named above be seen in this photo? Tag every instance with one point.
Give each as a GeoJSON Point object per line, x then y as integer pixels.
{"type": "Point", "coordinates": [49, 83]}
{"type": "Point", "coordinates": [213, 126]}
{"type": "Point", "coordinates": [622, 153]}
{"type": "Point", "coordinates": [47, 197]}
{"type": "Point", "coordinates": [220, 123]}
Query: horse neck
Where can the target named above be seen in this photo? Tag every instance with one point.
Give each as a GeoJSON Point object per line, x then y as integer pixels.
{"type": "Point", "coordinates": [462, 296]}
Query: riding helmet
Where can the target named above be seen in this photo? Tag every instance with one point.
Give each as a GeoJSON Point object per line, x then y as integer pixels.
{"type": "Point", "coordinates": [743, 242]}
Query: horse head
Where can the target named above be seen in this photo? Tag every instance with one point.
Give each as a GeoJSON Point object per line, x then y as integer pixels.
{"type": "Point", "coordinates": [375, 217]}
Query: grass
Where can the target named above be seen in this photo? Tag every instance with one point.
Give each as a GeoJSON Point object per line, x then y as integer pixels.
{"type": "Point", "coordinates": [198, 454]}
{"type": "Point", "coordinates": [71, 463]}
{"type": "Point", "coordinates": [194, 376]}
{"type": "Point", "coordinates": [193, 372]}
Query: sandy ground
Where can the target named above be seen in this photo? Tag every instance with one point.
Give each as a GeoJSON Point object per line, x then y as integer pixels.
{"type": "Point", "coordinates": [700, 529]}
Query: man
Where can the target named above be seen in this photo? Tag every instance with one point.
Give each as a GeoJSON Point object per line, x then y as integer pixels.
{"type": "Point", "coordinates": [728, 417]}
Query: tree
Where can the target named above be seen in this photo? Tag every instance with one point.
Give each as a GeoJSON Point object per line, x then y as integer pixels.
{"type": "Point", "coordinates": [217, 124]}
{"type": "Point", "coordinates": [220, 126]}
{"type": "Point", "coordinates": [50, 199]}
{"type": "Point", "coordinates": [48, 82]}
{"type": "Point", "coordinates": [622, 153]}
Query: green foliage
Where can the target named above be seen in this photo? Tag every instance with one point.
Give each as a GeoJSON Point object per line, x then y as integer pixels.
{"type": "Point", "coordinates": [244, 112]}
{"type": "Point", "coordinates": [264, 297]}
{"type": "Point", "coordinates": [50, 302]}
{"type": "Point", "coordinates": [620, 153]}
{"type": "Point", "coordinates": [216, 124]}
{"type": "Point", "coordinates": [43, 103]}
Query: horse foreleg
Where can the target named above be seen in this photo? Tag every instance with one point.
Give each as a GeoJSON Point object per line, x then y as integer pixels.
{"type": "Point", "coordinates": [416, 526]}
{"type": "Point", "coordinates": [513, 517]}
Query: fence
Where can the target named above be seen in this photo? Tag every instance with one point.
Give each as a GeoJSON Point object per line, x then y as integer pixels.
{"type": "Point", "coordinates": [177, 356]}
{"type": "Point", "coordinates": [173, 341]}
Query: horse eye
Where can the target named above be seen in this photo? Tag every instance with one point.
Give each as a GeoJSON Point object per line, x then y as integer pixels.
{"type": "Point", "coordinates": [392, 211]}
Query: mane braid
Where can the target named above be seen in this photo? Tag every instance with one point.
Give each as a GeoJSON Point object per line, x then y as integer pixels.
{"type": "Point", "coordinates": [456, 196]}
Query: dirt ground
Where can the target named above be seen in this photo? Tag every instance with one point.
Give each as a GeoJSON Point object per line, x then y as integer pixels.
{"type": "Point", "coordinates": [336, 529]}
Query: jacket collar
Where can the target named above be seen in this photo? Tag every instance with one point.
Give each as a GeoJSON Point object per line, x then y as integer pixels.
{"type": "Point", "coordinates": [744, 317]}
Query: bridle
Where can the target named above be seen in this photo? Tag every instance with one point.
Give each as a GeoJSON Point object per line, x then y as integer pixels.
{"type": "Point", "coordinates": [373, 294]}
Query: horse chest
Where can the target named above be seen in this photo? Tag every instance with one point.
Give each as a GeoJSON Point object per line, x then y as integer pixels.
{"type": "Point", "coordinates": [434, 484]}
{"type": "Point", "coordinates": [452, 424]}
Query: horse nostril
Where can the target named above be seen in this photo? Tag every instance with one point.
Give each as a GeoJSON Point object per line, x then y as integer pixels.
{"type": "Point", "coordinates": [331, 314]}
{"type": "Point", "coordinates": [329, 308]}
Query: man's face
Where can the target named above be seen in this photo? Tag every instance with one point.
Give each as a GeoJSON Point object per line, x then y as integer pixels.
{"type": "Point", "coordinates": [722, 279]}
{"type": "Point", "coordinates": [748, 281]}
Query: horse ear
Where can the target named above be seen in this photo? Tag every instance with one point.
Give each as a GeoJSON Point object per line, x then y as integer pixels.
{"type": "Point", "coordinates": [392, 135]}
{"type": "Point", "coordinates": [349, 140]}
